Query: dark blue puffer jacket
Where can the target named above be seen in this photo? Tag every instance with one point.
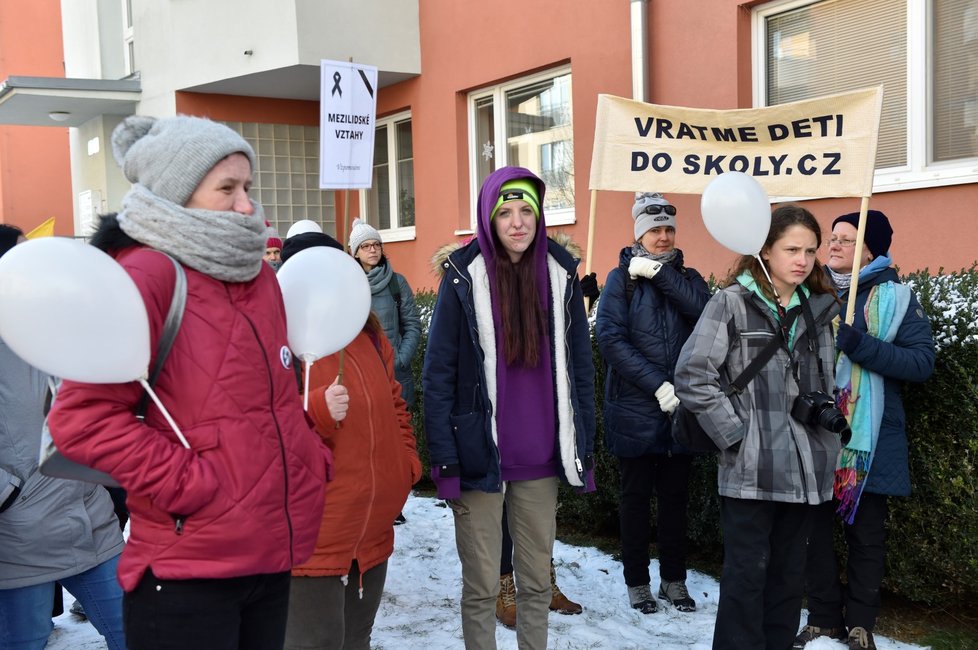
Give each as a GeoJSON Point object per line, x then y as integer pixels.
{"type": "Point", "coordinates": [640, 342]}
{"type": "Point", "coordinates": [910, 357]}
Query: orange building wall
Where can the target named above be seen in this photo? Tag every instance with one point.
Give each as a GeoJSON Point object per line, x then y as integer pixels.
{"type": "Point", "coordinates": [35, 168]}
{"type": "Point", "coordinates": [470, 45]}
{"type": "Point", "coordinates": [699, 55]}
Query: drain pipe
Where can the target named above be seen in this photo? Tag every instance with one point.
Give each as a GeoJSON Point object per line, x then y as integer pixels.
{"type": "Point", "coordinates": [640, 43]}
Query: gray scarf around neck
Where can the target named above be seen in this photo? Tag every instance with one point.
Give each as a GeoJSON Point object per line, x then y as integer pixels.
{"type": "Point", "coordinates": [379, 277]}
{"type": "Point", "coordinates": [227, 246]}
{"type": "Point", "coordinates": [842, 281]}
{"type": "Point", "coordinates": [663, 258]}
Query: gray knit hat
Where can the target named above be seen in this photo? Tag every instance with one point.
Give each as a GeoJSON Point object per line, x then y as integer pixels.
{"type": "Point", "coordinates": [361, 232]}
{"type": "Point", "coordinates": [170, 156]}
{"type": "Point", "coordinates": [644, 220]}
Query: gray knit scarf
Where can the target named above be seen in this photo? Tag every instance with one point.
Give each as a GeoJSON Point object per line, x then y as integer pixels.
{"type": "Point", "coordinates": [227, 246]}
{"type": "Point", "coordinates": [379, 277]}
{"type": "Point", "coordinates": [663, 258]}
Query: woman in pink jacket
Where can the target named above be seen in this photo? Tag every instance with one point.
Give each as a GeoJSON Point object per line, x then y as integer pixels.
{"type": "Point", "coordinates": [215, 529]}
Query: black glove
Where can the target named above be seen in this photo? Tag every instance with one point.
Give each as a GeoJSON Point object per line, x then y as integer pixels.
{"type": "Point", "coordinates": [589, 286]}
{"type": "Point", "coordinates": [848, 338]}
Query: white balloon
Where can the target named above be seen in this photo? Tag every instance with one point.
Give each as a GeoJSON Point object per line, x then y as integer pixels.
{"type": "Point", "coordinates": [70, 310]}
{"type": "Point", "coordinates": [737, 212]}
{"type": "Point", "coordinates": [303, 226]}
{"type": "Point", "coordinates": [327, 301]}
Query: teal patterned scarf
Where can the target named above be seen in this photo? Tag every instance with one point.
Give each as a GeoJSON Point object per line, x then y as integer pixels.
{"type": "Point", "coordinates": [860, 397]}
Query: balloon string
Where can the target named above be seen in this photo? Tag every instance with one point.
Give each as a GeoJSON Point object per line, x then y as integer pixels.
{"type": "Point", "coordinates": [166, 414]}
{"type": "Point", "coordinates": [305, 395]}
{"type": "Point", "coordinates": [339, 376]}
{"type": "Point", "coordinates": [768, 275]}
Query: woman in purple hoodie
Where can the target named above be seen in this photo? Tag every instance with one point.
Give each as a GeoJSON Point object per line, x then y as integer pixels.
{"type": "Point", "coordinates": [509, 400]}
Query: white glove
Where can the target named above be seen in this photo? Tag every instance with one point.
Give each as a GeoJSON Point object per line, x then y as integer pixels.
{"type": "Point", "coordinates": [666, 395]}
{"type": "Point", "coordinates": [643, 267]}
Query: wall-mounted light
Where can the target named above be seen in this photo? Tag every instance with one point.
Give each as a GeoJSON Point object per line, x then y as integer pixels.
{"type": "Point", "coordinates": [59, 116]}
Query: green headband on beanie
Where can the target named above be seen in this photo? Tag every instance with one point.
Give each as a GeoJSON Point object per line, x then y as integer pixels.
{"type": "Point", "coordinates": [521, 189]}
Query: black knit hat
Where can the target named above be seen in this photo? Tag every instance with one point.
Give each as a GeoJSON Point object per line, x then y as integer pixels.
{"type": "Point", "coordinates": [301, 242]}
{"type": "Point", "coordinates": [8, 237]}
{"type": "Point", "coordinates": [878, 234]}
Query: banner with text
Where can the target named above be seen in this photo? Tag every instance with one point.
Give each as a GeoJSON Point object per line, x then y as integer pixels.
{"type": "Point", "coordinates": [348, 105]}
{"type": "Point", "coordinates": [817, 147]}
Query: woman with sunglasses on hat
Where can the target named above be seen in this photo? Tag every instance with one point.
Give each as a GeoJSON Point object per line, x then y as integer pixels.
{"type": "Point", "coordinates": [649, 306]}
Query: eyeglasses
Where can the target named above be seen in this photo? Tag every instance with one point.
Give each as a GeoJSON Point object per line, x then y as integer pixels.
{"type": "Point", "coordinates": [845, 243]}
{"type": "Point", "coordinates": [656, 209]}
{"type": "Point", "coordinates": [371, 246]}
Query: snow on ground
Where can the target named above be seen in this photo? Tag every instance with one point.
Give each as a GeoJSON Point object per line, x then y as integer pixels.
{"type": "Point", "coordinates": [420, 607]}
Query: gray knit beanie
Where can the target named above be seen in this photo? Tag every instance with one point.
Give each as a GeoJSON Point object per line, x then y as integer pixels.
{"type": "Point", "coordinates": [644, 221]}
{"type": "Point", "coordinates": [170, 156]}
{"type": "Point", "coordinates": [361, 232]}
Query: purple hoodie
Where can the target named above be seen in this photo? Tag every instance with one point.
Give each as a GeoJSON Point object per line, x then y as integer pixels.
{"type": "Point", "coordinates": [525, 428]}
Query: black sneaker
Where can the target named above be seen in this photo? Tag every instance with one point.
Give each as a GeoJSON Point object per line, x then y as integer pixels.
{"type": "Point", "coordinates": [812, 632]}
{"type": "Point", "coordinates": [641, 599]}
{"type": "Point", "coordinates": [861, 639]}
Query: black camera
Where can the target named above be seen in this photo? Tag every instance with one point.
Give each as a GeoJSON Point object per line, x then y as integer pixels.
{"type": "Point", "coordinates": [818, 409]}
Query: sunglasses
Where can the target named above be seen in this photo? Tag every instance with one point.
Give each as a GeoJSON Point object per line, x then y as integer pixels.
{"type": "Point", "coordinates": [656, 209]}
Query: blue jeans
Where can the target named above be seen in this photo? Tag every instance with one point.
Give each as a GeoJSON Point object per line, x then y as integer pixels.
{"type": "Point", "coordinates": [25, 612]}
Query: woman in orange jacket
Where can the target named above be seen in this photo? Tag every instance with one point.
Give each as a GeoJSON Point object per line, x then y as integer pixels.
{"type": "Point", "coordinates": [364, 421]}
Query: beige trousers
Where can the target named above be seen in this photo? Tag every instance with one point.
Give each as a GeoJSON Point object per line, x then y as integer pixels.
{"type": "Point", "coordinates": [531, 508]}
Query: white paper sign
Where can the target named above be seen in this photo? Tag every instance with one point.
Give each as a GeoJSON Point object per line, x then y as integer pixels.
{"type": "Point", "coordinates": [348, 105]}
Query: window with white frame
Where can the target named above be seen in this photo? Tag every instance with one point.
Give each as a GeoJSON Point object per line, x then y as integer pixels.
{"type": "Point", "coordinates": [129, 52]}
{"type": "Point", "coordinates": [527, 122]}
{"type": "Point", "coordinates": [389, 203]}
{"type": "Point", "coordinates": [286, 178]}
{"type": "Point", "coordinates": [923, 52]}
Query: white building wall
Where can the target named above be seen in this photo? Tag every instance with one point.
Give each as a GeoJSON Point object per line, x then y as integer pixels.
{"type": "Point", "coordinates": [192, 42]}
{"type": "Point", "coordinates": [384, 33]}
{"type": "Point", "coordinates": [92, 37]}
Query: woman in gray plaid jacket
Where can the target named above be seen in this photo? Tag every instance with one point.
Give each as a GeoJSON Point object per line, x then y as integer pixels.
{"type": "Point", "coordinates": [773, 467]}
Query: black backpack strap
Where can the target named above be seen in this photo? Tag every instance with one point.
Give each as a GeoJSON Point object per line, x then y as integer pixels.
{"type": "Point", "coordinates": [395, 288]}
{"type": "Point", "coordinates": [170, 328]}
{"type": "Point", "coordinates": [754, 367]}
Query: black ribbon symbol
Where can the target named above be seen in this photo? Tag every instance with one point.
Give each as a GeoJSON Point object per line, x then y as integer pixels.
{"type": "Point", "coordinates": [336, 85]}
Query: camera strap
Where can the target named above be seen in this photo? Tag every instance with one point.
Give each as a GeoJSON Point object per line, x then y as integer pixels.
{"type": "Point", "coordinates": [754, 367]}
{"type": "Point", "coordinates": [806, 311]}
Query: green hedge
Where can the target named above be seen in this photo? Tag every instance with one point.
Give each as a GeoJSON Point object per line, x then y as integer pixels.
{"type": "Point", "coordinates": [932, 552]}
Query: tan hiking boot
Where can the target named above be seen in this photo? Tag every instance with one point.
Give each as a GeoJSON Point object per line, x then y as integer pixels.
{"type": "Point", "coordinates": [506, 601]}
{"type": "Point", "coordinates": [558, 601]}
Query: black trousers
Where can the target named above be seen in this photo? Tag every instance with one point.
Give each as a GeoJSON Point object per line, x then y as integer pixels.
{"type": "Point", "coordinates": [506, 557]}
{"type": "Point", "coordinates": [763, 573]}
{"type": "Point", "coordinates": [667, 477]}
{"type": "Point", "coordinates": [857, 604]}
{"type": "Point", "coordinates": [249, 612]}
